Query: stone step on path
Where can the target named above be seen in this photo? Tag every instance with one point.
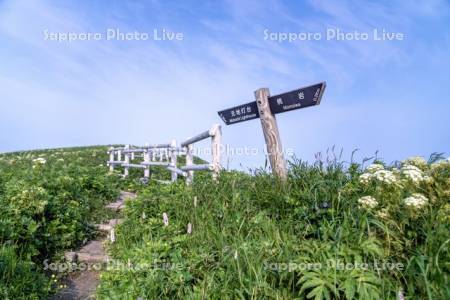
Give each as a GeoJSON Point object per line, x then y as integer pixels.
{"type": "Point", "coordinates": [91, 253]}
{"type": "Point", "coordinates": [107, 227]}
{"type": "Point", "coordinates": [80, 286]}
{"type": "Point", "coordinates": [119, 204]}
{"type": "Point", "coordinates": [83, 284]}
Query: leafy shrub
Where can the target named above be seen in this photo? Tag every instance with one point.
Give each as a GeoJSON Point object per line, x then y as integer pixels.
{"type": "Point", "coordinates": [48, 202]}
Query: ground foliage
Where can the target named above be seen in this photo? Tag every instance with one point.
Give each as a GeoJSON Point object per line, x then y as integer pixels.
{"type": "Point", "coordinates": [333, 231]}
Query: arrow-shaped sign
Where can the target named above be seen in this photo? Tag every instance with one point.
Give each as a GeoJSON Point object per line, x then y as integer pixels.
{"type": "Point", "coordinates": [296, 99]}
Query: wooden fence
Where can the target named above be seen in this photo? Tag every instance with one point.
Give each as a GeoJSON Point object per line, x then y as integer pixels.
{"type": "Point", "coordinates": [166, 155]}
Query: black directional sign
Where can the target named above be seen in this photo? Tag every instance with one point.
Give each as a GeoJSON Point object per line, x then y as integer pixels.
{"type": "Point", "coordinates": [304, 97]}
{"type": "Point", "coordinates": [240, 113]}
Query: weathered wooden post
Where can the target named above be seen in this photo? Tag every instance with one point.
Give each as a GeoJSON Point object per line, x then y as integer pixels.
{"type": "Point", "coordinates": [132, 156]}
{"type": "Point", "coordinates": [216, 147]}
{"type": "Point", "coordinates": [127, 161]}
{"type": "Point", "coordinates": [189, 163]}
{"type": "Point", "coordinates": [111, 159]}
{"type": "Point", "coordinates": [146, 160]}
{"type": "Point", "coordinates": [271, 134]}
{"type": "Point", "coordinates": [173, 159]}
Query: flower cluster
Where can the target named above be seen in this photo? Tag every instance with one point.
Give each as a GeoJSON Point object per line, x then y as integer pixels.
{"type": "Point", "coordinates": [377, 172]}
{"type": "Point", "coordinates": [412, 173]}
{"type": "Point", "coordinates": [383, 213]}
{"type": "Point", "coordinates": [413, 170]}
{"type": "Point", "coordinates": [39, 161]}
{"type": "Point", "coordinates": [385, 176]}
{"type": "Point", "coordinates": [365, 178]}
{"type": "Point", "coordinates": [374, 168]}
{"type": "Point", "coordinates": [367, 202]}
{"type": "Point", "coordinates": [416, 201]}
{"type": "Point", "coordinates": [416, 161]}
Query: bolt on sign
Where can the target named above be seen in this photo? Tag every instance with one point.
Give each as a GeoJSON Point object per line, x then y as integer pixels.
{"type": "Point", "coordinates": [265, 108]}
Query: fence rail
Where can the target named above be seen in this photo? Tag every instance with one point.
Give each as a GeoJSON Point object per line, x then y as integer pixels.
{"type": "Point", "coordinates": [166, 155]}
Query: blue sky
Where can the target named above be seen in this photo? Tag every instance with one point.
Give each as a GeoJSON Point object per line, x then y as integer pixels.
{"type": "Point", "coordinates": [390, 96]}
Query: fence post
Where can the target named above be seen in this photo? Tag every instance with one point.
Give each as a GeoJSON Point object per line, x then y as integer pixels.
{"type": "Point", "coordinates": [111, 159]}
{"type": "Point", "coordinates": [132, 156]}
{"type": "Point", "coordinates": [173, 159]}
{"type": "Point", "coordinates": [119, 155]}
{"type": "Point", "coordinates": [127, 161]}
{"type": "Point", "coordinates": [161, 155]}
{"type": "Point", "coordinates": [146, 159]}
{"type": "Point", "coordinates": [189, 162]}
{"type": "Point", "coordinates": [216, 145]}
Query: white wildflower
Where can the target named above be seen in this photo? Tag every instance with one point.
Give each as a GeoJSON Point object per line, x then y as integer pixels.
{"type": "Point", "coordinates": [189, 228]}
{"type": "Point", "coordinates": [416, 201]}
{"type": "Point", "coordinates": [236, 254]}
{"type": "Point", "coordinates": [428, 179]}
{"type": "Point", "coordinates": [374, 167]}
{"type": "Point", "coordinates": [365, 178]}
{"type": "Point", "coordinates": [383, 214]}
{"type": "Point", "coordinates": [413, 173]}
{"type": "Point", "coordinates": [368, 202]}
{"type": "Point", "coordinates": [165, 219]}
{"type": "Point", "coordinates": [385, 176]}
{"type": "Point", "coordinates": [39, 161]}
{"type": "Point", "coordinates": [112, 235]}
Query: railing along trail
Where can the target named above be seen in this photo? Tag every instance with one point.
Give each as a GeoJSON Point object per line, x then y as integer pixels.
{"type": "Point", "coordinates": [166, 155]}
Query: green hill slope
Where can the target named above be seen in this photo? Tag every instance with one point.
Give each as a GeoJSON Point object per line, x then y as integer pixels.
{"type": "Point", "coordinates": [332, 231]}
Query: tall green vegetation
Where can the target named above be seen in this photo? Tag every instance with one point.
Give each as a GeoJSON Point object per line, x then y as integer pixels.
{"type": "Point", "coordinates": [329, 233]}
{"type": "Point", "coordinates": [49, 201]}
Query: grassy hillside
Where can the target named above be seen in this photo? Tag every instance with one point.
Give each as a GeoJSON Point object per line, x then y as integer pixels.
{"type": "Point", "coordinates": [49, 201]}
{"type": "Point", "coordinates": [332, 231]}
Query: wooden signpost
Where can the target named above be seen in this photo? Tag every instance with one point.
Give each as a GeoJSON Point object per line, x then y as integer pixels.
{"type": "Point", "coordinates": [265, 107]}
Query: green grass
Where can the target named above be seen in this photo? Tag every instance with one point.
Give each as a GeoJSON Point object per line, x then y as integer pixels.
{"type": "Point", "coordinates": [244, 225]}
